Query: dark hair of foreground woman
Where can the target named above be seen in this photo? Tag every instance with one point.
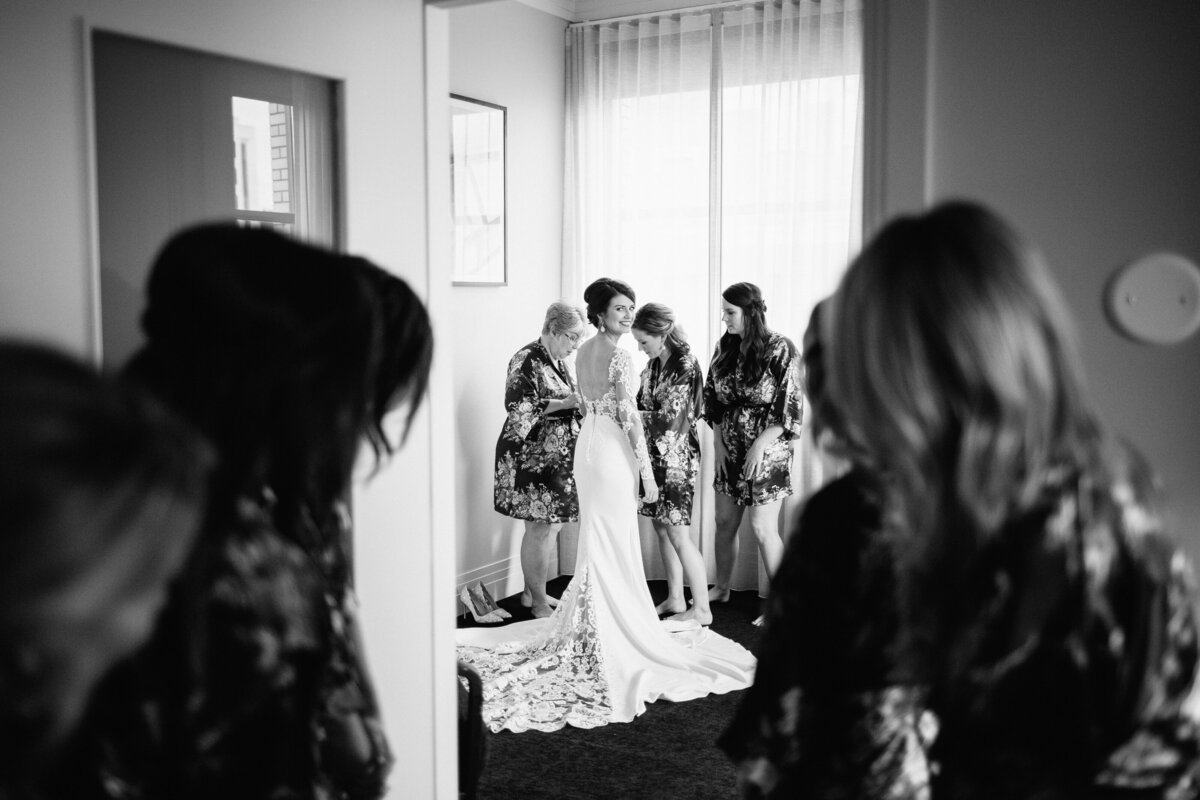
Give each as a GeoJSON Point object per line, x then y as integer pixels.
{"type": "Point", "coordinates": [287, 357]}
{"type": "Point", "coordinates": [102, 494]}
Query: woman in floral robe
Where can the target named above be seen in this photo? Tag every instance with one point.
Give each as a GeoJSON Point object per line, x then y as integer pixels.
{"type": "Point", "coordinates": [1041, 602]}
{"type": "Point", "coordinates": [830, 714]}
{"type": "Point", "coordinates": [287, 358]}
{"type": "Point", "coordinates": [671, 398]}
{"type": "Point", "coordinates": [752, 400]}
{"type": "Point", "coordinates": [536, 448]}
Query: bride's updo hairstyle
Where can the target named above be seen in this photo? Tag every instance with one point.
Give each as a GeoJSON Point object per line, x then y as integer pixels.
{"type": "Point", "coordinates": [657, 319]}
{"type": "Point", "coordinates": [600, 293]}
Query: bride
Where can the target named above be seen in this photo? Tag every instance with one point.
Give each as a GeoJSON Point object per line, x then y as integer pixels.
{"type": "Point", "coordinates": [603, 654]}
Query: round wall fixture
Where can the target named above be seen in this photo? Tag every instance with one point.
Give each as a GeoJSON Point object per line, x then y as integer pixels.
{"type": "Point", "coordinates": [1155, 299]}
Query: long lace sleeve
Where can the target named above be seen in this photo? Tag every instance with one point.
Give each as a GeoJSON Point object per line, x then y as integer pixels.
{"type": "Point", "coordinates": [620, 374]}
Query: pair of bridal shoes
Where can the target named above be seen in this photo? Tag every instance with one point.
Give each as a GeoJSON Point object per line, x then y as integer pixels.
{"type": "Point", "coordinates": [479, 602]}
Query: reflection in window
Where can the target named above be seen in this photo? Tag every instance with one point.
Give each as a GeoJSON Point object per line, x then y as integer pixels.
{"type": "Point", "coordinates": [263, 147]}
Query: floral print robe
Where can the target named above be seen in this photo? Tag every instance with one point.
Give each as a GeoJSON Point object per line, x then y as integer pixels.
{"type": "Point", "coordinates": [535, 452]}
{"type": "Point", "coordinates": [1100, 701]}
{"type": "Point", "coordinates": [256, 653]}
{"type": "Point", "coordinates": [671, 398]}
{"type": "Point", "coordinates": [828, 715]}
{"type": "Point", "coordinates": [743, 411]}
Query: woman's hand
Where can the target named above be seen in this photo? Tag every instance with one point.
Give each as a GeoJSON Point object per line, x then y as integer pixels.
{"type": "Point", "coordinates": [719, 452]}
{"type": "Point", "coordinates": [754, 457]}
{"type": "Point", "coordinates": [562, 403]}
{"type": "Point", "coordinates": [577, 403]}
{"type": "Point", "coordinates": [753, 465]}
{"type": "Point", "coordinates": [649, 491]}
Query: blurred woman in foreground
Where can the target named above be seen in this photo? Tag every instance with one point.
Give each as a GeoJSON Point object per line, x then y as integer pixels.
{"type": "Point", "coordinates": [1042, 606]}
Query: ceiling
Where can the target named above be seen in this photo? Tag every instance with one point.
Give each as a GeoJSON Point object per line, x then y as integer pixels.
{"type": "Point", "coordinates": [582, 10]}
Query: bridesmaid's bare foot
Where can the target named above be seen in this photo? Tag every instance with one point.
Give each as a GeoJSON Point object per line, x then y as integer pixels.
{"type": "Point", "coordinates": [672, 605]}
{"type": "Point", "coordinates": [703, 616]}
{"type": "Point", "coordinates": [718, 594]}
{"type": "Point", "coordinates": [541, 611]}
{"type": "Point", "coordinates": [527, 600]}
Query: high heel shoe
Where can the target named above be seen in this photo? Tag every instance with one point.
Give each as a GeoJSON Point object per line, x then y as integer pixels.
{"type": "Point", "coordinates": [484, 599]}
{"type": "Point", "coordinates": [481, 614]}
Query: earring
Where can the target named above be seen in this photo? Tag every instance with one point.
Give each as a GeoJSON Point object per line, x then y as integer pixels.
{"type": "Point", "coordinates": [602, 328]}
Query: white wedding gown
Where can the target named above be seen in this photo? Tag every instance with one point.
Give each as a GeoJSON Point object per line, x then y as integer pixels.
{"type": "Point", "coordinates": [603, 654]}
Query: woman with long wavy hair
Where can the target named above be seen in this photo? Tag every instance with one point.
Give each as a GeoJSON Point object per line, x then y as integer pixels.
{"type": "Point", "coordinates": [1051, 620]}
{"type": "Point", "coordinates": [753, 402]}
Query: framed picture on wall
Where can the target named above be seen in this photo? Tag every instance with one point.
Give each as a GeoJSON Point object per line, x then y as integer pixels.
{"type": "Point", "coordinates": [478, 133]}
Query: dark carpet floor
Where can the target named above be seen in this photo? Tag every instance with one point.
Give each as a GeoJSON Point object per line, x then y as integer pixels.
{"type": "Point", "coordinates": [668, 752]}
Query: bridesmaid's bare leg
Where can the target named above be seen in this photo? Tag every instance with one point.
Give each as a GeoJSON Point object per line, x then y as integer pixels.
{"type": "Point", "coordinates": [692, 563]}
{"type": "Point", "coordinates": [535, 560]}
{"type": "Point", "coordinates": [764, 522]}
{"type": "Point", "coordinates": [675, 601]}
{"type": "Point", "coordinates": [729, 516]}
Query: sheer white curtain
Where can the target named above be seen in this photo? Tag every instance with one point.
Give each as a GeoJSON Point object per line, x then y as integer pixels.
{"type": "Point", "coordinates": [315, 175]}
{"type": "Point", "coordinates": [710, 147]}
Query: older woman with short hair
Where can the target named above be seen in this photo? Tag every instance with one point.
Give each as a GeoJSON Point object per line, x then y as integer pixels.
{"type": "Point", "coordinates": [534, 454]}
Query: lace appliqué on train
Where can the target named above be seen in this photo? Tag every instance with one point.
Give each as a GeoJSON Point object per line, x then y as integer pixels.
{"type": "Point", "coordinates": [555, 681]}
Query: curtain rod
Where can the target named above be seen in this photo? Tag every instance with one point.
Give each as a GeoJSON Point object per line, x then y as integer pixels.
{"type": "Point", "coordinates": [665, 12]}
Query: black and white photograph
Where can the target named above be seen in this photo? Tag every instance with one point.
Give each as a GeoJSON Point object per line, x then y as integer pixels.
{"type": "Point", "coordinates": [594, 399]}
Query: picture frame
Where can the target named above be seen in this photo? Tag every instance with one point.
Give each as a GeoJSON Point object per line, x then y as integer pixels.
{"type": "Point", "coordinates": [478, 196]}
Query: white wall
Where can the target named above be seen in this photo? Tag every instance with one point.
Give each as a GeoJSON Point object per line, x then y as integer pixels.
{"type": "Point", "coordinates": [47, 227]}
{"type": "Point", "coordinates": [510, 54]}
{"type": "Point", "coordinates": [1080, 121]}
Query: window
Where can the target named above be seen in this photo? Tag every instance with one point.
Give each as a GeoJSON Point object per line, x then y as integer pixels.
{"type": "Point", "coordinates": [713, 146]}
{"type": "Point", "coordinates": [716, 146]}
{"type": "Point", "coordinates": [262, 163]}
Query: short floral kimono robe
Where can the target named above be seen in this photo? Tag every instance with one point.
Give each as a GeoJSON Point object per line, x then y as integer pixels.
{"type": "Point", "coordinates": [828, 717]}
{"type": "Point", "coordinates": [536, 450]}
{"type": "Point", "coordinates": [744, 410]}
{"type": "Point", "coordinates": [671, 399]}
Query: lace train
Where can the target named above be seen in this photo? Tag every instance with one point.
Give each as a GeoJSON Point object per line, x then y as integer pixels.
{"type": "Point", "coordinates": [555, 679]}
